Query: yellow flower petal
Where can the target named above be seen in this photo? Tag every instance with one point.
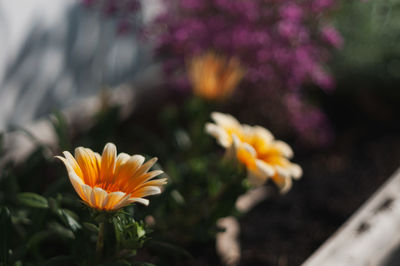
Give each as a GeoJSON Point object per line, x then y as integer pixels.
{"type": "Point", "coordinates": [113, 199]}
{"type": "Point", "coordinates": [108, 159]}
{"type": "Point", "coordinates": [146, 191]}
{"type": "Point", "coordinates": [88, 164]}
{"type": "Point", "coordinates": [141, 180]}
{"type": "Point", "coordinates": [256, 148]}
{"type": "Point", "coordinates": [110, 182]}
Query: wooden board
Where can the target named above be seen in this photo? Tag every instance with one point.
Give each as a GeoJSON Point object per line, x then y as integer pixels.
{"type": "Point", "coordinates": [370, 237]}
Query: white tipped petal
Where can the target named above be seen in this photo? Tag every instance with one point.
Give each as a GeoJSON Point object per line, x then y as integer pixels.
{"type": "Point", "coordinates": [157, 182]}
{"type": "Point", "coordinates": [87, 191]}
{"type": "Point", "coordinates": [145, 167]}
{"type": "Point", "coordinates": [140, 200]}
{"type": "Point", "coordinates": [284, 148]}
{"type": "Point", "coordinates": [249, 149]}
{"type": "Point", "coordinates": [121, 159]}
{"type": "Point", "coordinates": [146, 191]}
{"type": "Point", "coordinates": [108, 159]}
{"type": "Point", "coordinates": [286, 185]}
{"type": "Point", "coordinates": [77, 184]}
{"type": "Point", "coordinates": [113, 199]}
{"type": "Point", "coordinates": [100, 196]}
{"type": "Point", "coordinates": [138, 160]}
{"type": "Point", "coordinates": [265, 168]}
{"type": "Point", "coordinates": [296, 170]}
{"type": "Point", "coordinates": [219, 133]}
{"type": "Point", "coordinates": [225, 120]}
{"type": "Point", "coordinates": [236, 141]}
{"type": "Point", "coordinates": [122, 203]}
{"type": "Point", "coordinates": [263, 133]}
{"type": "Point", "coordinates": [150, 175]}
{"type": "Point", "coordinates": [282, 171]}
{"type": "Point", "coordinates": [255, 178]}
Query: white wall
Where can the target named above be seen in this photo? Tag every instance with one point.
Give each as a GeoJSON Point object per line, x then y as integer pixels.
{"type": "Point", "coordinates": [53, 53]}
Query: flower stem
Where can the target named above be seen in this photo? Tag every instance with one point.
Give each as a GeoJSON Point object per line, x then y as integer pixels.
{"type": "Point", "coordinates": [100, 243]}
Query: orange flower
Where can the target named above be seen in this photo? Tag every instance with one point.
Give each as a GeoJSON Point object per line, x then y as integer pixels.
{"type": "Point", "coordinates": [214, 77]}
{"type": "Point", "coordinates": [255, 147]}
{"type": "Point", "coordinates": [110, 182]}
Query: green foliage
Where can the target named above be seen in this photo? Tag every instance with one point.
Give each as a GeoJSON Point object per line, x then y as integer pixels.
{"type": "Point", "coordinates": [53, 227]}
{"type": "Point", "coordinates": [368, 66]}
{"type": "Point", "coordinates": [32, 200]}
{"type": "Point", "coordinates": [5, 226]}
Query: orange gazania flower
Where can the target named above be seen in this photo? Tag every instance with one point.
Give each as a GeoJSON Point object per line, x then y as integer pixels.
{"type": "Point", "coordinates": [214, 77]}
{"type": "Point", "coordinates": [255, 147]}
{"type": "Point", "coordinates": [110, 182]}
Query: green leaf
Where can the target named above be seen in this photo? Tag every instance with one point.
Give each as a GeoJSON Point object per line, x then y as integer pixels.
{"type": "Point", "coordinates": [169, 248]}
{"type": "Point", "coordinates": [69, 220]}
{"type": "Point", "coordinates": [59, 260]}
{"type": "Point", "coordinates": [91, 227]}
{"type": "Point", "coordinates": [61, 231]}
{"type": "Point", "coordinates": [32, 200]}
{"type": "Point", "coordinates": [60, 126]}
{"type": "Point", "coordinates": [5, 228]}
{"type": "Point", "coordinates": [140, 263]}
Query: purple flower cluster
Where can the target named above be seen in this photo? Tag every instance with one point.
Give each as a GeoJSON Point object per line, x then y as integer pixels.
{"type": "Point", "coordinates": [122, 10]}
{"type": "Point", "coordinates": [283, 44]}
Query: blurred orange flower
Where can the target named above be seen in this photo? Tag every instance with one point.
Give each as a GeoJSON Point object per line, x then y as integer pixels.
{"type": "Point", "coordinates": [110, 182]}
{"type": "Point", "coordinates": [214, 77]}
{"type": "Point", "coordinates": [255, 147]}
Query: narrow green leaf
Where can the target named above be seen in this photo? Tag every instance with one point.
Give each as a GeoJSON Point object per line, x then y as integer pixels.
{"type": "Point", "coordinates": [60, 126]}
{"type": "Point", "coordinates": [69, 220]}
{"type": "Point", "coordinates": [168, 248]}
{"type": "Point", "coordinates": [5, 228]}
{"type": "Point", "coordinates": [32, 200]}
{"type": "Point", "coordinates": [59, 260]}
{"type": "Point", "coordinates": [140, 263]}
{"type": "Point", "coordinates": [91, 227]}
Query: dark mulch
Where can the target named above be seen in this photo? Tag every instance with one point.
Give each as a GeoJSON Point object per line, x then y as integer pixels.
{"type": "Point", "coordinates": [286, 230]}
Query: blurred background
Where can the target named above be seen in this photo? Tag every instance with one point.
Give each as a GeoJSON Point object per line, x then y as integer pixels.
{"type": "Point", "coordinates": [323, 75]}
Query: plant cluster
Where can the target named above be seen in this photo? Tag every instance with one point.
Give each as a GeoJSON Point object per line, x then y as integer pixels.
{"type": "Point", "coordinates": [105, 223]}
{"type": "Point", "coordinates": [282, 45]}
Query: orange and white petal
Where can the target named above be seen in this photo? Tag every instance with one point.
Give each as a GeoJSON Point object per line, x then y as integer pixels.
{"type": "Point", "coordinates": [256, 178]}
{"type": "Point", "coordinates": [283, 171]}
{"type": "Point", "coordinates": [73, 163]}
{"type": "Point", "coordinates": [88, 163]}
{"type": "Point", "coordinates": [139, 181]}
{"type": "Point", "coordinates": [113, 199]}
{"type": "Point", "coordinates": [284, 183]}
{"type": "Point", "coordinates": [87, 192]}
{"type": "Point", "coordinates": [145, 167]}
{"type": "Point", "coordinates": [265, 168]}
{"type": "Point", "coordinates": [98, 197]}
{"type": "Point", "coordinates": [263, 134]}
{"type": "Point", "coordinates": [260, 174]}
{"type": "Point", "coordinates": [77, 185]}
{"type": "Point", "coordinates": [156, 182]}
{"type": "Point", "coordinates": [146, 191]}
{"type": "Point", "coordinates": [296, 171]}
{"type": "Point", "coordinates": [124, 172]}
{"type": "Point", "coordinates": [108, 160]}
{"type": "Point", "coordinates": [219, 133]}
{"type": "Point", "coordinates": [122, 158]}
{"type": "Point", "coordinates": [140, 200]}
{"type": "Point", "coordinates": [283, 148]}
{"type": "Point", "coordinates": [122, 203]}
{"type": "Point", "coordinates": [225, 120]}
{"type": "Point", "coordinates": [245, 153]}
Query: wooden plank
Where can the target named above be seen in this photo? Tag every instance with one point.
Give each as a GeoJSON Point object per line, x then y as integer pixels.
{"type": "Point", "coordinates": [370, 236]}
